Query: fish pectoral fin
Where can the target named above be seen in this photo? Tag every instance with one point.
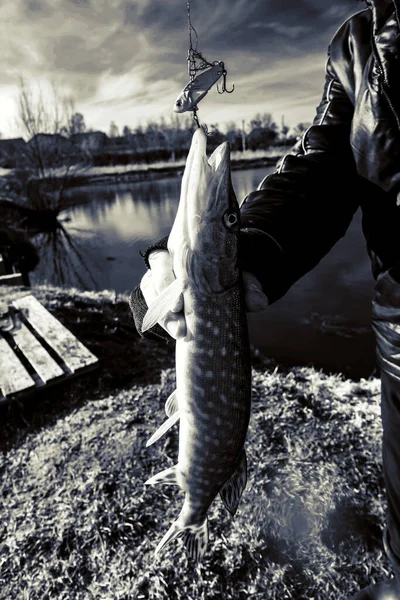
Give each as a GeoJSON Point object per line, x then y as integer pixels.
{"type": "Point", "coordinates": [195, 538]}
{"type": "Point", "coordinates": [163, 429]}
{"type": "Point", "coordinates": [171, 405]}
{"type": "Point", "coordinates": [165, 301]}
{"type": "Point", "coordinates": [234, 486]}
{"type": "Point", "coordinates": [167, 476]}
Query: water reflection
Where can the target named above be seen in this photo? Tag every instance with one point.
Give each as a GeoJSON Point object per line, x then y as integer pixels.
{"type": "Point", "coordinates": [63, 260]}
{"type": "Point", "coordinates": [110, 225]}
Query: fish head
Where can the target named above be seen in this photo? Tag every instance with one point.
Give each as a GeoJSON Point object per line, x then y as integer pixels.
{"type": "Point", "coordinates": [204, 237]}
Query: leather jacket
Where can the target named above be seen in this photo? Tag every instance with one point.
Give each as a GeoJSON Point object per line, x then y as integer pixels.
{"type": "Point", "coordinates": [348, 158]}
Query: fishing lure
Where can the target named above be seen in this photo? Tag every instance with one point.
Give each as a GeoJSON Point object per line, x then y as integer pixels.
{"type": "Point", "coordinates": [199, 86]}
{"type": "Point", "coordinates": [203, 75]}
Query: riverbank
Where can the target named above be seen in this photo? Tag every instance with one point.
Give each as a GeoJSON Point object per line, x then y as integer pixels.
{"type": "Point", "coordinates": [77, 521]}
{"type": "Point", "coordinates": [142, 172]}
{"type": "Point", "coordinates": [99, 175]}
{"type": "Point", "coordinates": [132, 173]}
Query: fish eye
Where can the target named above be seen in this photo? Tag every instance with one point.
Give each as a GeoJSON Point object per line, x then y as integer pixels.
{"type": "Point", "coordinates": [231, 219]}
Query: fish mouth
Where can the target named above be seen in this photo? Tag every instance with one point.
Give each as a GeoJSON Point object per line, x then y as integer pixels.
{"type": "Point", "coordinates": [209, 183]}
{"type": "Point", "coordinates": [206, 192]}
{"type": "Point", "coordinates": [219, 160]}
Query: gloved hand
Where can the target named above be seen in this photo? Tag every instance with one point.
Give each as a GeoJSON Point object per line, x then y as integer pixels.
{"type": "Point", "coordinates": [161, 274]}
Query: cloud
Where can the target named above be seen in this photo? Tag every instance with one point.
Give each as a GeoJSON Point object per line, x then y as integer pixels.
{"type": "Point", "coordinates": [121, 51]}
{"type": "Point", "coordinates": [292, 31]}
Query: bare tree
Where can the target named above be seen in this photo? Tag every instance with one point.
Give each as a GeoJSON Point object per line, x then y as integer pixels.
{"type": "Point", "coordinates": [50, 159]}
{"type": "Point", "coordinates": [177, 134]}
{"type": "Point", "coordinates": [77, 124]}
{"type": "Point", "coordinates": [234, 135]}
{"type": "Point", "coordinates": [263, 121]}
{"type": "Point", "coordinates": [114, 132]}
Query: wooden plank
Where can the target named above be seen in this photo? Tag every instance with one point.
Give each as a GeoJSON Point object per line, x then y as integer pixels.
{"type": "Point", "coordinates": [11, 279]}
{"type": "Point", "coordinates": [2, 266]}
{"type": "Point", "coordinates": [13, 375]}
{"type": "Point", "coordinates": [44, 365]}
{"type": "Point", "coordinates": [74, 354]}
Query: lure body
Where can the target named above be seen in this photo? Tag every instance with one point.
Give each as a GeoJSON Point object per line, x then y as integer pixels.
{"type": "Point", "coordinates": [213, 370]}
{"type": "Point", "coordinates": [197, 88]}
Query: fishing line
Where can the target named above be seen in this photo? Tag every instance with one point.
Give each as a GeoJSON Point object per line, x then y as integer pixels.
{"type": "Point", "coordinates": [196, 61]}
{"type": "Point", "coordinates": [203, 74]}
{"type": "Point", "coordinates": [191, 28]}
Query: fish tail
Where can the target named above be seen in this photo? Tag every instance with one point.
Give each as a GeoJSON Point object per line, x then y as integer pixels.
{"type": "Point", "coordinates": [195, 538]}
{"type": "Point", "coordinates": [233, 488]}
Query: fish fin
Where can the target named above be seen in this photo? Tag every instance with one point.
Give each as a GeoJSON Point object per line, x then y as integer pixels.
{"type": "Point", "coordinates": [163, 429]}
{"type": "Point", "coordinates": [166, 476]}
{"type": "Point", "coordinates": [171, 405]}
{"type": "Point", "coordinates": [195, 538]}
{"type": "Point", "coordinates": [234, 486]}
{"type": "Point", "coordinates": [158, 309]}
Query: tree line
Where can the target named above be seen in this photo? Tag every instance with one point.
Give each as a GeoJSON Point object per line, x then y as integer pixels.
{"type": "Point", "coordinates": [174, 135]}
{"type": "Point", "coordinates": [57, 143]}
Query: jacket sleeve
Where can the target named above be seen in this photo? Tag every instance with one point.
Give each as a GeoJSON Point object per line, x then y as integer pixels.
{"type": "Point", "coordinates": [302, 209]}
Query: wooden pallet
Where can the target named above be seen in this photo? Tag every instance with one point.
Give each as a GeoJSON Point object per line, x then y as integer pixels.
{"type": "Point", "coordinates": [12, 279]}
{"type": "Point", "coordinates": [37, 350]}
{"type": "Point", "coordinates": [7, 278]}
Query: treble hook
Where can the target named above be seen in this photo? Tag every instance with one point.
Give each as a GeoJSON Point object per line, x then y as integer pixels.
{"type": "Point", "coordinates": [224, 89]}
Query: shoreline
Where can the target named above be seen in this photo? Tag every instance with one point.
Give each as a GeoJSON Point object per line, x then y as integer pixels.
{"type": "Point", "coordinates": [135, 172]}
{"type": "Point", "coordinates": [100, 176]}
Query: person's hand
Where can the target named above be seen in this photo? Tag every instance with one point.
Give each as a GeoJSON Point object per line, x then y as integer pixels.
{"type": "Point", "coordinates": [254, 297]}
{"type": "Point", "coordinates": [157, 278]}
{"type": "Point", "coordinates": [161, 274]}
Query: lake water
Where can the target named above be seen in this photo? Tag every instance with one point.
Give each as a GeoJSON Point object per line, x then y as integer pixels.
{"type": "Point", "coordinates": [323, 320]}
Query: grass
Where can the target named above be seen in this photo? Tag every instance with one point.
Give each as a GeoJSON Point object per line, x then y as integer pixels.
{"type": "Point", "coordinates": [77, 522]}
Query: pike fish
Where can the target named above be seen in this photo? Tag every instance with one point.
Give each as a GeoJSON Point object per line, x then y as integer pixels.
{"type": "Point", "coordinates": [212, 400]}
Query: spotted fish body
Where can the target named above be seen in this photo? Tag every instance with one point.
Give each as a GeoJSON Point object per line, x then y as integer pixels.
{"type": "Point", "coordinates": [213, 371]}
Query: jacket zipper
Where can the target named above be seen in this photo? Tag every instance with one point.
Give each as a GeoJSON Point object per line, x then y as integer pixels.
{"type": "Point", "coordinates": [384, 87]}
{"type": "Point", "coordinates": [384, 84]}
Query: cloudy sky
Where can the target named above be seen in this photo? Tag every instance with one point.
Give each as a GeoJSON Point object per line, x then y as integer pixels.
{"type": "Point", "coordinates": [125, 60]}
